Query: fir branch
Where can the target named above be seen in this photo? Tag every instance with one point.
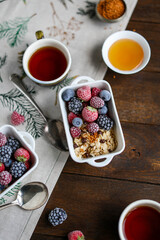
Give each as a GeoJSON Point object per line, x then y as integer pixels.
{"type": "Point", "coordinates": [1, 80]}
{"type": "Point", "coordinates": [90, 9]}
{"type": "Point", "coordinates": [14, 30]}
{"type": "Point", "coordinates": [2, 1]}
{"type": "Point", "coordinates": [15, 101]}
{"type": "Point", "coordinates": [3, 60]}
{"type": "Point", "coordinates": [64, 2]}
{"type": "Point", "coordinates": [20, 61]}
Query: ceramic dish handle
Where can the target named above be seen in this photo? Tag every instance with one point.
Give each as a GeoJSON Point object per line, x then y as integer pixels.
{"type": "Point", "coordinates": [102, 163]}
{"type": "Point", "coordinates": [29, 138]}
{"type": "Point", "coordinates": [82, 79]}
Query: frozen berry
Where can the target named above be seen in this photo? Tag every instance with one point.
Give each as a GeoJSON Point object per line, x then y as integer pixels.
{"type": "Point", "coordinates": [13, 143]}
{"type": "Point", "coordinates": [8, 163]}
{"type": "Point", "coordinates": [17, 119]}
{"type": "Point", "coordinates": [22, 155]}
{"type": "Point", "coordinates": [2, 167]}
{"type": "Point", "coordinates": [92, 127]}
{"type": "Point", "coordinates": [27, 164]}
{"type": "Point", "coordinates": [103, 110]}
{"type": "Point", "coordinates": [75, 105]}
{"type": "Point", "coordinates": [75, 132]}
{"type": "Point", "coordinates": [77, 122]}
{"type": "Point", "coordinates": [105, 122]}
{"type": "Point", "coordinates": [18, 169]}
{"type": "Point", "coordinates": [71, 116]}
{"type": "Point", "coordinates": [68, 94]}
{"type": "Point", "coordinates": [76, 235]}
{"type": "Point", "coordinates": [95, 91]}
{"type": "Point", "coordinates": [89, 114]}
{"type": "Point", "coordinates": [5, 178]}
{"type": "Point", "coordinates": [96, 102]}
{"type": "Point", "coordinates": [84, 93]}
{"type": "Point", "coordinates": [5, 153]}
{"type": "Point", "coordinates": [3, 139]}
{"type": "Point", "coordinates": [57, 216]}
{"type": "Point", "coordinates": [105, 95]}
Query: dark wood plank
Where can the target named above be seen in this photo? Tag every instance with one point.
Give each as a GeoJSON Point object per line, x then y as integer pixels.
{"type": "Point", "coordinates": [93, 205]}
{"type": "Point", "coordinates": [138, 162]}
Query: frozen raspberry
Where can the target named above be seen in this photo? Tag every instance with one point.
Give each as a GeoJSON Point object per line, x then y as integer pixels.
{"type": "Point", "coordinates": [92, 127]}
{"type": "Point", "coordinates": [95, 91]}
{"type": "Point", "coordinates": [22, 155]}
{"type": "Point", "coordinates": [89, 114]}
{"type": "Point", "coordinates": [96, 102]}
{"type": "Point", "coordinates": [5, 178]}
{"type": "Point", "coordinates": [76, 235]}
{"type": "Point", "coordinates": [84, 93]}
{"type": "Point", "coordinates": [17, 119]}
{"type": "Point", "coordinates": [3, 139]}
{"type": "Point", "coordinates": [75, 132]}
{"type": "Point", "coordinates": [71, 116]}
{"type": "Point", "coordinates": [2, 167]}
{"type": "Point", "coordinates": [27, 164]}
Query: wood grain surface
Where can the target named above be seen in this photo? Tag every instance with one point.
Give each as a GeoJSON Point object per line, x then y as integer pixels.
{"type": "Point", "coordinates": [95, 197]}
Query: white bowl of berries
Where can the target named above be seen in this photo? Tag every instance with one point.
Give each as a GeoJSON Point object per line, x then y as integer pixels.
{"type": "Point", "coordinates": [17, 157]}
{"type": "Point", "coordinates": [91, 122]}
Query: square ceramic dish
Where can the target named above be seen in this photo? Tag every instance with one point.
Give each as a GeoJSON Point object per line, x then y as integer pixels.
{"type": "Point", "coordinates": [28, 144]}
{"type": "Point", "coordinates": [101, 160]}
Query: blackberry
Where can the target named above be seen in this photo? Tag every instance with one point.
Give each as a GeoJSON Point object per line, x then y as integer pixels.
{"type": "Point", "coordinates": [75, 105]}
{"type": "Point", "coordinates": [57, 216]}
{"type": "Point", "coordinates": [105, 122]}
{"type": "Point", "coordinates": [13, 143]}
{"type": "Point", "coordinates": [18, 169]}
{"type": "Point", "coordinates": [5, 153]}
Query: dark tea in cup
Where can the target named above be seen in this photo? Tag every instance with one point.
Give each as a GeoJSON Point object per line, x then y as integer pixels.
{"type": "Point", "coordinates": [47, 63]}
{"type": "Point", "coordinates": [142, 223]}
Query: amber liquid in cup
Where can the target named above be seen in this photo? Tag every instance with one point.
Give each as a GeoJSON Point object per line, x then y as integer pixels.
{"type": "Point", "coordinates": [47, 63]}
{"type": "Point", "coordinates": [142, 223]}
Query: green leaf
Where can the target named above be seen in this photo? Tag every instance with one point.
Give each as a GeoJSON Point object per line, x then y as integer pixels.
{"type": "Point", "coordinates": [15, 101]}
{"type": "Point", "coordinates": [3, 60]}
{"type": "Point", "coordinates": [14, 30]}
{"type": "Point", "coordinates": [90, 9]}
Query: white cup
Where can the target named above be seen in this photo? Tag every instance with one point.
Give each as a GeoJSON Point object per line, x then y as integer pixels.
{"type": "Point", "coordinates": [46, 42]}
{"type": "Point", "coordinates": [139, 203]}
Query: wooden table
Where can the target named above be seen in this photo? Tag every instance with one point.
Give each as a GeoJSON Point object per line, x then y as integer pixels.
{"type": "Point", "coordinates": [95, 197]}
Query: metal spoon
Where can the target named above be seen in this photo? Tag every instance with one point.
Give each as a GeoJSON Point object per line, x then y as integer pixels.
{"type": "Point", "coordinates": [31, 196]}
{"type": "Point", "coordinates": [54, 129]}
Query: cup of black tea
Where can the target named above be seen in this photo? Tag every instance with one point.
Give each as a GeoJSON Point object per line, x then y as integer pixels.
{"type": "Point", "coordinates": [140, 220]}
{"type": "Point", "coordinates": [47, 61]}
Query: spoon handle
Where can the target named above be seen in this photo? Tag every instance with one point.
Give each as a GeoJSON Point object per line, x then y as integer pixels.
{"type": "Point", "coordinates": [8, 205]}
{"type": "Point", "coordinates": [15, 79]}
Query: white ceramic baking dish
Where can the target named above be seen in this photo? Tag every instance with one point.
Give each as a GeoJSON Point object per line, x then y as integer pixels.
{"type": "Point", "coordinates": [28, 144]}
{"type": "Point", "coordinates": [105, 158]}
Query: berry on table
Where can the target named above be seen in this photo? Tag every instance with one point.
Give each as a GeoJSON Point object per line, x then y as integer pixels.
{"type": "Point", "coordinates": [89, 114]}
{"type": "Point", "coordinates": [95, 91]}
{"type": "Point", "coordinates": [96, 102]}
{"type": "Point", "coordinates": [5, 178]}
{"type": "Point", "coordinates": [68, 94]}
{"type": "Point", "coordinates": [76, 235]}
{"type": "Point", "coordinates": [17, 169]}
{"type": "Point", "coordinates": [5, 153]}
{"type": "Point", "coordinates": [13, 143]}
{"type": "Point", "coordinates": [57, 216]}
{"type": "Point", "coordinates": [22, 155]}
{"type": "Point", "coordinates": [71, 116]}
{"type": "Point", "coordinates": [3, 139]}
{"type": "Point", "coordinates": [105, 122]}
{"type": "Point", "coordinates": [77, 122]}
{"type": "Point", "coordinates": [17, 119]}
{"type": "Point", "coordinates": [75, 105]}
{"type": "Point", "coordinates": [103, 110]}
{"type": "Point", "coordinates": [105, 95]}
{"type": "Point", "coordinates": [84, 93]}
{"type": "Point", "coordinates": [92, 127]}
{"type": "Point", "coordinates": [75, 132]}
{"type": "Point", "coordinates": [2, 167]}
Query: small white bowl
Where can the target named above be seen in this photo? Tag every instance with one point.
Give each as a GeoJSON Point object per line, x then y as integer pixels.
{"type": "Point", "coordinates": [139, 203]}
{"type": "Point", "coordinates": [28, 144]}
{"type": "Point", "coordinates": [106, 158]}
{"type": "Point", "coordinates": [126, 35]}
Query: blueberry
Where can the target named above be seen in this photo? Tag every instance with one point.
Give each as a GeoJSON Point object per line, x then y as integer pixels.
{"type": "Point", "coordinates": [77, 122]}
{"type": "Point", "coordinates": [8, 163]}
{"type": "Point", "coordinates": [105, 95]}
{"type": "Point", "coordinates": [1, 187]}
{"type": "Point", "coordinates": [103, 110]}
{"type": "Point", "coordinates": [68, 94]}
